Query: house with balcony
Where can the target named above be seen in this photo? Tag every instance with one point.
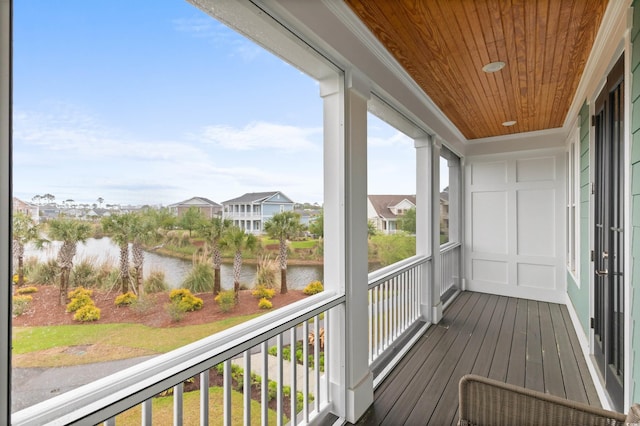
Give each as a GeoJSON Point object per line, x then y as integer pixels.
{"type": "Point", "coordinates": [534, 107]}
{"type": "Point", "coordinates": [208, 208]}
{"type": "Point", "coordinates": [251, 210]}
{"type": "Point", "coordinates": [385, 211]}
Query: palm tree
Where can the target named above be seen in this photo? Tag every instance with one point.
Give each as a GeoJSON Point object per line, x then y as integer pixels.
{"type": "Point", "coordinates": [214, 231]}
{"type": "Point", "coordinates": [70, 232]}
{"type": "Point", "coordinates": [25, 230]}
{"type": "Point", "coordinates": [238, 240]}
{"type": "Point", "coordinates": [118, 227]}
{"type": "Point", "coordinates": [142, 232]}
{"type": "Point", "coordinates": [100, 200]}
{"type": "Point", "coordinates": [283, 226]}
{"type": "Point", "coordinates": [49, 198]}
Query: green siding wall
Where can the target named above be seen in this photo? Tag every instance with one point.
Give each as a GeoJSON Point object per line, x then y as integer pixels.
{"type": "Point", "coordinates": [579, 295]}
{"type": "Point", "coordinates": [635, 206]}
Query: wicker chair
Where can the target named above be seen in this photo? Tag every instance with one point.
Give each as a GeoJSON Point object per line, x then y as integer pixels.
{"type": "Point", "coordinates": [487, 402]}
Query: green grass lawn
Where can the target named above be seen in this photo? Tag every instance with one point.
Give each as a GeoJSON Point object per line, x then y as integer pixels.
{"type": "Point", "coordinates": [163, 410]}
{"type": "Point", "coordinates": [127, 338]}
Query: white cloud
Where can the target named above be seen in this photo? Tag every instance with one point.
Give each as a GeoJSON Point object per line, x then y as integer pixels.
{"type": "Point", "coordinates": [220, 36]}
{"type": "Point", "coordinates": [261, 135]}
{"type": "Point", "coordinates": [198, 27]}
{"type": "Point", "coordinates": [397, 139]}
{"type": "Point", "coordinates": [79, 134]}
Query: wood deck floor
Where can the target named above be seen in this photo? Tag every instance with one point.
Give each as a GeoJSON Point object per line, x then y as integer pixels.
{"type": "Point", "coordinates": [522, 342]}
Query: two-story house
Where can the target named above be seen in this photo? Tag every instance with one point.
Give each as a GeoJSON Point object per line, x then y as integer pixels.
{"type": "Point", "coordinates": [251, 210]}
{"type": "Point", "coordinates": [26, 208]}
{"type": "Point", "coordinates": [207, 207]}
{"type": "Point", "coordinates": [539, 100]}
{"type": "Point", "coordinates": [385, 211]}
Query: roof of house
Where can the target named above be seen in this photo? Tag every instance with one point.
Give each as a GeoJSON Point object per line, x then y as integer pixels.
{"type": "Point", "coordinates": [17, 200]}
{"type": "Point", "coordinates": [196, 201]}
{"type": "Point", "coordinates": [256, 197]}
{"type": "Point", "coordinates": [383, 203]}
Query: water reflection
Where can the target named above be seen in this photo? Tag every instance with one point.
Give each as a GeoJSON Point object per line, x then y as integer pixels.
{"type": "Point", "coordinates": [103, 250]}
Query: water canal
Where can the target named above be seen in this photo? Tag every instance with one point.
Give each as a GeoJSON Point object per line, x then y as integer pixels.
{"type": "Point", "coordinates": [175, 270]}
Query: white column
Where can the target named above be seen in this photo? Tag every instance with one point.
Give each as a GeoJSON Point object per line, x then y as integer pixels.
{"type": "Point", "coordinates": [346, 259]}
{"type": "Point", "coordinates": [436, 304]}
{"type": "Point", "coordinates": [423, 222]}
{"type": "Point", "coordinates": [5, 204]}
{"type": "Point", "coordinates": [455, 195]}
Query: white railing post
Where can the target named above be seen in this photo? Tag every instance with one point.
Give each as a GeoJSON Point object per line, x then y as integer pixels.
{"type": "Point", "coordinates": [178, 404]}
{"type": "Point", "coordinates": [204, 398]}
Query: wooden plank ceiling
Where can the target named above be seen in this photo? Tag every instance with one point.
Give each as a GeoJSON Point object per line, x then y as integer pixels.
{"type": "Point", "coordinates": [443, 45]}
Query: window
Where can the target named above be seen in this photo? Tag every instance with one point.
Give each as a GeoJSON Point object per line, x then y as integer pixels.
{"type": "Point", "coordinates": [207, 113]}
{"type": "Point", "coordinates": [391, 190]}
{"type": "Point", "coordinates": [450, 195]}
{"type": "Point", "coordinates": [573, 192]}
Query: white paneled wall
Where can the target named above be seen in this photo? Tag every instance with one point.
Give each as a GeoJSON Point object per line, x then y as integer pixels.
{"type": "Point", "coordinates": [515, 224]}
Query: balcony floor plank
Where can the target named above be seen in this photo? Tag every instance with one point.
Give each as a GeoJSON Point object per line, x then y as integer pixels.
{"type": "Point", "coordinates": [522, 342]}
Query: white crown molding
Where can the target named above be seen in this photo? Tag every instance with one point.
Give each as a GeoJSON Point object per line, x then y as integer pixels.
{"type": "Point", "coordinates": [539, 139]}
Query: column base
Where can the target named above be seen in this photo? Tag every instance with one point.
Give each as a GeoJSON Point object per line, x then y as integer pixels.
{"type": "Point", "coordinates": [436, 313]}
{"type": "Point", "coordinates": [360, 398]}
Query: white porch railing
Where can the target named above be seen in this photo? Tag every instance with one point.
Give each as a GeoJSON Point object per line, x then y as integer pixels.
{"type": "Point", "coordinates": [394, 302]}
{"type": "Point", "coordinates": [242, 215]}
{"type": "Point", "coordinates": [104, 399]}
{"type": "Point", "coordinates": [449, 267]}
{"type": "Point", "coordinates": [394, 308]}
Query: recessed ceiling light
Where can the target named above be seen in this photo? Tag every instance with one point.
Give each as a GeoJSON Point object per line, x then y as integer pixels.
{"type": "Point", "coordinates": [493, 66]}
{"type": "Point", "coordinates": [509, 123]}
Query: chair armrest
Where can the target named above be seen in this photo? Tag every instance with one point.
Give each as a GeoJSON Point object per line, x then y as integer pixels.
{"type": "Point", "coordinates": [487, 402]}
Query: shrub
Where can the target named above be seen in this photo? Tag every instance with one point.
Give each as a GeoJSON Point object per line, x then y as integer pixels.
{"type": "Point", "coordinates": [177, 294]}
{"type": "Point", "coordinates": [191, 303]}
{"type": "Point", "coordinates": [79, 302]}
{"type": "Point", "coordinates": [87, 313]}
{"type": "Point", "coordinates": [200, 278]}
{"type": "Point", "coordinates": [226, 300]}
{"type": "Point", "coordinates": [84, 273]}
{"type": "Point", "coordinates": [155, 283]}
{"type": "Point", "coordinates": [265, 304]}
{"type": "Point", "coordinates": [27, 290]}
{"type": "Point", "coordinates": [80, 292]}
{"type": "Point", "coordinates": [286, 355]}
{"type": "Point", "coordinates": [393, 248]}
{"type": "Point", "coordinates": [125, 299]}
{"type": "Point", "coordinates": [177, 238]}
{"type": "Point", "coordinates": [44, 273]}
{"type": "Point", "coordinates": [237, 374]}
{"type": "Point", "coordinates": [80, 297]}
{"type": "Point", "coordinates": [108, 277]}
{"type": "Point", "coordinates": [262, 292]}
{"type": "Point", "coordinates": [185, 300]}
{"type": "Point", "coordinates": [174, 311]}
{"type": "Point", "coordinates": [313, 287]}
{"type": "Point", "coordinates": [267, 272]}
{"type": "Point", "coordinates": [20, 304]}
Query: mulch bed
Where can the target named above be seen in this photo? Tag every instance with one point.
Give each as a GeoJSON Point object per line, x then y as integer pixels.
{"type": "Point", "coordinates": [45, 309]}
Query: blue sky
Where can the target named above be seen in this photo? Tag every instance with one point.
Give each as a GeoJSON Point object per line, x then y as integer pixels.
{"type": "Point", "coordinates": [153, 102]}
